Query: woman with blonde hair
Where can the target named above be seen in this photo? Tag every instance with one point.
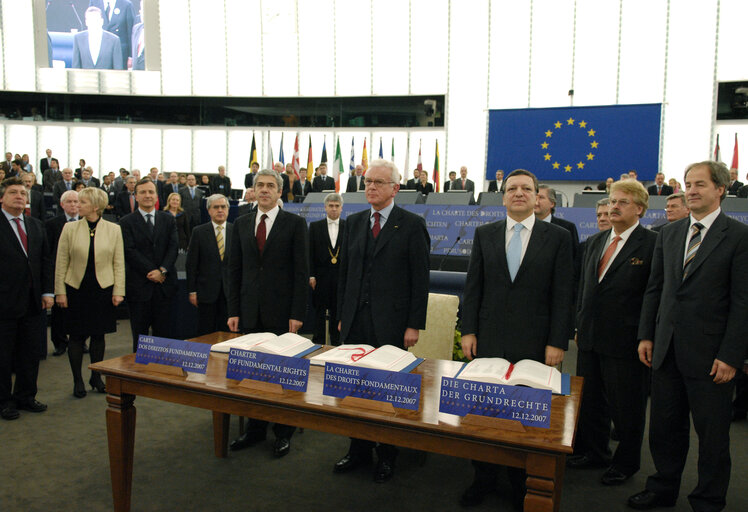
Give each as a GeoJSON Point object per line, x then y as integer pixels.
{"type": "Point", "coordinates": [89, 282]}
{"type": "Point", "coordinates": [174, 206]}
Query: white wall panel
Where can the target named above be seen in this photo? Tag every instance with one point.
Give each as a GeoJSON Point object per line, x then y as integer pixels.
{"type": "Point", "coordinates": [552, 31]}
{"type": "Point", "coordinates": [210, 152]}
{"type": "Point", "coordinates": [54, 137]}
{"type": "Point", "coordinates": [177, 150]}
{"type": "Point", "coordinates": [280, 52]}
{"type": "Point", "coordinates": [21, 138]}
{"type": "Point", "coordinates": [115, 149]}
{"type": "Point", "coordinates": [643, 27]}
{"type": "Point", "coordinates": [208, 48]}
{"type": "Point", "coordinates": [596, 60]}
{"type": "Point", "coordinates": [146, 149]}
{"type": "Point", "coordinates": [390, 49]}
{"type": "Point", "coordinates": [731, 63]}
{"type": "Point", "coordinates": [84, 143]}
{"type": "Point", "coordinates": [244, 52]}
{"type": "Point", "coordinates": [316, 48]}
{"type": "Point", "coordinates": [18, 43]}
{"type": "Point", "coordinates": [353, 47]}
{"type": "Point", "coordinates": [509, 54]}
{"type": "Point", "coordinates": [176, 61]}
{"type": "Point", "coordinates": [429, 25]}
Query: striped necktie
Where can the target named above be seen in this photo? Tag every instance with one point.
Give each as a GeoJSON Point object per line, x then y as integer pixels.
{"type": "Point", "coordinates": [219, 241]}
{"type": "Point", "coordinates": [693, 246]}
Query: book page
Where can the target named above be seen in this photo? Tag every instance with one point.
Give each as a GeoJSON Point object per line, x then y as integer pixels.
{"type": "Point", "coordinates": [288, 344]}
{"type": "Point", "coordinates": [387, 357]}
{"type": "Point", "coordinates": [536, 375]}
{"type": "Point", "coordinates": [486, 369]}
{"type": "Point", "coordinates": [245, 342]}
{"type": "Point", "coordinates": [343, 354]}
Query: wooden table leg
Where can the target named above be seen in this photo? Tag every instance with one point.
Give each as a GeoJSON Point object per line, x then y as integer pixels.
{"type": "Point", "coordinates": [545, 476]}
{"type": "Point", "coordinates": [120, 426]}
{"type": "Point", "coordinates": [221, 423]}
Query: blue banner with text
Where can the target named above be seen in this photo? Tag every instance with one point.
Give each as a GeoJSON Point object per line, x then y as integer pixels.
{"type": "Point", "coordinates": [192, 357]}
{"type": "Point", "coordinates": [529, 406]}
{"type": "Point", "coordinates": [290, 372]}
{"type": "Point", "coordinates": [398, 388]}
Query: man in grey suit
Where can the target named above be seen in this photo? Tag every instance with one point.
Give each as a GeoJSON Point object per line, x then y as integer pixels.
{"type": "Point", "coordinates": [692, 334]}
{"type": "Point", "coordinates": [118, 16]}
{"type": "Point", "coordinates": [96, 48]}
{"type": "Point", "coordinates": [463, 183]}
{"type": "Point", "coordinates": [192, 199]}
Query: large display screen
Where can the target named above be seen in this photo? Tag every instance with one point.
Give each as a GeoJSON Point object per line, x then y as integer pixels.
{"type": "Point", "coordinates": [96, 34]}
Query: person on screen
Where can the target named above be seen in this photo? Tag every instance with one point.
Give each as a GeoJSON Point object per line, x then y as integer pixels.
{"type": "Point", "coordinates": [119, 17]}
{"type": "Point", "coordinates": [96, 48]}
{"type": "Point", "coordinates": [137, 44]}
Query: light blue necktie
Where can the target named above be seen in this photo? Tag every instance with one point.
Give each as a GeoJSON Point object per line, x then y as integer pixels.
{"type": "Point", "coordinates": [514, 251]}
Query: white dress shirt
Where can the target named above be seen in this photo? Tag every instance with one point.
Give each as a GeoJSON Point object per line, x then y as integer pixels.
{"type": "Point", "coordinates": [94, 44]}
{"type": "Point", "coordinates": [624, 237]}
{"type": "Point", "coordinates": [706, 222]}
{"type": "Point", "coordinates": [271, 215]}
{"type": "Point", "coordinates": [333, 227]}
{"type": "Point", "coordinates": [14, 226]}
{"type": "Point", "coordinates": [524, 235]}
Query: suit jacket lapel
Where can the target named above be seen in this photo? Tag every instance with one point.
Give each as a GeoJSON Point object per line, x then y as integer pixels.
{"type": "Point", "coordinates": [10, 234]}
{"type": "Point", "coordinates": [631, 245]}
{"type": "Point", "coordinates": [680, 248]}
{"type": "Point", "coordinates": [534, 247]}
{"type": "Point", "coordinates": [389, 229]}
{"type": "Point", "coordinates": [713, 237]}
{"type": "Point", "coordinates": [280, 220]}
{"type": "Point", "coordinates": [496, 242]}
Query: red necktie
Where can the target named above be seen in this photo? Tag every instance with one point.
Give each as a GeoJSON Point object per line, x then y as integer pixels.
{"type": "Point", "coordinates": [22, 235]}
{"type": "Point", "coordinates": [376, 228]}
{"type": "Point", "coordinates": [132, 203]}
{"type": "Point", "coordinates": [261, 233]}
{"type": "Point", "coordinates": [463, 184]}
{"type": "Point", "coordinates": [606, 257]}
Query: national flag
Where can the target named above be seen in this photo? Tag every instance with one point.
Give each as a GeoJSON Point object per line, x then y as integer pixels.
{"type": "Point", "coordinates": [352, 165]}
{"type": "Point", "coordinates": [406, 166]}
{"type": "Point", "coordinates": [281, 159]}
{"type": "Point", "coordinates": [575, 143]}
{"type": "Point", "coordinates": [324, 152]}
{"type": "Point", "coordinates": [735, 154]}
{"type": "Point", "coordinates": [392, 155]}
{"type": "Point", "coordinates": [717, 152]}
{"type": "Point", "coordinates": [419, 166]}
{"type": "Point", "coordinates": [269, 160]}
{"type": "Point", "coordinates": [337, 167]}
{"type": "Point", "coordinates": [381, 154]}
{"type": "Point", "coordinates": [364, 158]}
{"type": "Point", "coordinates": [296, 162]}
{"type": "Point", "coordinates": [435, 175]}
{"type": "Point", "coordinates": [310, 162]}
{"type": "Point", "coordinates": [253, 152]}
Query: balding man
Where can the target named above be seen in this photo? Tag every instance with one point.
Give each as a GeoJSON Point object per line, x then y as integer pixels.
{"type": "Point", "coordinates": [735, 185]}
{"type": "Point", "coordinates": [221, 184]}
{"type": "Point", "coordinates": [463, 183]}
{"type": "Point", "coordinates": [36, 201]}
{"type": "Point", "coordinates": [62, 186]}
{"type": "Point", "coordinates": [356, 182]}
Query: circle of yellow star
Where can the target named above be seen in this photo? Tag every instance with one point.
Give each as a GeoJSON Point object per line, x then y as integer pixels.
{"type": "Point", "coordinates": [547, 156]}
{"type": "Point", "coordinates": [567, 168]}
{"type": "Point", "coordinates": [594, 144]}
{"type": "Point", "coordinates": [544, 145]}
{"type": "Point", "coordinates": [570, 121]}
{"type": "Point", "coordinates": [557, 124]}
{"type": "Point", "coordinates": [591, 133]}
{"type": "Point", "coordinates": [583, 124]}
{"type": "Point", "coordinates": [556, 165]}
{"type": "Point", "coordinates": [548, 133]}
{"type": "Point", "coordinates": [590, 156]}
{"type": "Point", "coordinates": [580, 165]}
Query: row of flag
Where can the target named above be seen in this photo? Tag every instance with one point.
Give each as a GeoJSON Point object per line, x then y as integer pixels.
{"type": "Point", "coordinates": [338, 168]}
{"type": "Point", "coordinates": [718, 153]}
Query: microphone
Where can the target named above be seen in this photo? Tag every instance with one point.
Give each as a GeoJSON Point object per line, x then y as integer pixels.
{"type": "Point", "coordinates": [444, 258]}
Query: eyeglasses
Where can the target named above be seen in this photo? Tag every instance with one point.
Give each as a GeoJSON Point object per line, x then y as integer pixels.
{"type": "Point", "coordinates": [376, 183]}
{"type": "Point", "coordinates": [622, 202]}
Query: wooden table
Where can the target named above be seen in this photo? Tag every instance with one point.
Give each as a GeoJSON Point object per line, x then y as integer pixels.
{"type": "Point", "coordinates": [542, 452]}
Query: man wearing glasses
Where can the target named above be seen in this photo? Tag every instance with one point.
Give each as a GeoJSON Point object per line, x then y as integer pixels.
{"type": "Point", "coordinates": [383, 288]}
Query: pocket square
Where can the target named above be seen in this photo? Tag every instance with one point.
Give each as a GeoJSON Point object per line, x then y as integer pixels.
{"type": "Point", "coordinates": [636, 261]}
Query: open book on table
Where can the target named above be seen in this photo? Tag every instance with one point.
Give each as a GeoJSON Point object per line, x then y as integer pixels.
{"type": "Point", "coordinates": [386, 357]}
{"type": "Point", "coordinates": [523, 373]}
{"type": "Point", "coordinates": [289, 344]}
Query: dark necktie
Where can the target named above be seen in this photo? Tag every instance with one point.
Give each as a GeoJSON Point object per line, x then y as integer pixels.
{"type": "Point", "coordinates": [22, 235]}
{"type": "Point", "coordinates": [149, 221]}
{"type": "Point", "coordinates": [261, 233]}
{"type": "Point", "coordinates": [693, 246]}
{"type": "Point", "coordinates": [108, 12]}
{"type": "Point", "coordinates": [376, 228]}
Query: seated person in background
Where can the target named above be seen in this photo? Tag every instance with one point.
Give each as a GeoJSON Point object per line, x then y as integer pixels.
{"type": "Point", "coordinates": [423, 186]}
{"type": "Point", "coordinates": [184, 227]}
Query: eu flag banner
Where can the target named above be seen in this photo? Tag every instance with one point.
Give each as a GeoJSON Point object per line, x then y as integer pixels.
{"type": "Point", "coordinates": [575, 143]}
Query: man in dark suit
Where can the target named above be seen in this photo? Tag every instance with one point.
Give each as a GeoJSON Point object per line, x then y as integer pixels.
{"type": "Point", "coordinates": [520, 268]}
{"type": "Point", "coordinates": [118, 19]}
{"type": "Point", "coordinates": [69, 205]}
{"type": "Point", "coordinates": [411, 183]}
{"type": "Point", "coordinates": [250, 176]}
{"type": "Point", "coordinates": [192, 198]}
{"type": "Point", "coordinates": [323, 182]}
{"type": "Point", "coordinates": [171, 186]}
{"type": "Point", "coordinates": [383, 290]}
{"type": "Point", "coordinates": [62, 186]}
{"type": "Point", "coordinates": [693, 335]}
{"type": "Point", "coordinates": [675, 209]}
{"type": "Point", "coordinates": [88, 179]}
{"type": "Point", "coordinates": [106, 48]}
{"type": "Point", "coordinates": [660, 188]}
{"type": "Point", "coordinates": [250, 203]}
{"type": "Point", "coordinates": [735, 185]}
{"type": "Point", "coordinates": [207, 259]}
{"type": "Point", "coordinates": [151, 245]}
{"type": "Point", "coordinates": [119, 181]}
{"type": "Point", "coordinates": [268, 280]}
{"type": "Point", "coordinates": [126, 202]}
{"type": "Point", "coordinates": [51, 175]}
{"type": "Point", "coordinates": [613, 280]}
{"type": "Point", "coordinates": [278, 168]}
{"type": "Point", "coordinates": [27, 277]}
{"type": "Point", "coordinates": [36, 200]}
{"type": "Point", "coordinates": [463, 183]}
{"type": "Point", "coordinates": [448, 183]}
{"type": "Point", "coordinates": [46, 163]}
{"type": "Point", "coordinates": [108, 188]}
{"type": "Point", "coordinates": [221, 184]}
{"type": "Point", "coordinates": [325, 241]}
{"type": "Point", "coordinates": [356, 182]}
{"type": "Point", "coordinates": [6, 165]}
{"type": "Point", "coordinates": [495, 185]}
{"type": "Point", "coordinates": [301, 187]}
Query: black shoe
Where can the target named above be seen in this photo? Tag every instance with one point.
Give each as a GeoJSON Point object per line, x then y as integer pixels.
{"type": "Point", "coordinates": [474, 495]}
{"type": "Point", "coordinates": [9, 412]}
{"type": "Point", "coordinates": [249, 438]}
{"type": "Point", "coordinates": [32, 406]}
{"type": "Point", "coordinates": [583, 462]}
{"type": "Point", "coordinates": [97, 385]}
{"type": "Point", "coordinates": [351, 461]}
{"type": "Point", "coordinates": [281, 447]}
{"type": "Point", "coordinates": [613, 476]}
{"type": "Point", "coordinates": [59, 350]}
{"type": "Point", "coordinates": [384, 471]}
{"type": "Point", "coordinates": [79, 390]}
{"type": "Point", "coordinates": [85, 349]}
{"type": "Point", "coordinates": [647, 500]}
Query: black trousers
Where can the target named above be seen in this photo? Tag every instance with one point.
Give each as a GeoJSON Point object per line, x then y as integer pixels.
{"type": "Point", "coordinates": [212, 316]}
{"type": "Point", "coordinates": [19, 353]}
{"type": "Point", "coordinates": [319, 324]}
{"type": "Point", "coordinates": [57, 331]}
{"type": "Point", "coordinates": [614, 388]}
{"type": "Point", "coordinates": [674, 397]}
{"type": "Point", "coordinates": [151, 314]}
